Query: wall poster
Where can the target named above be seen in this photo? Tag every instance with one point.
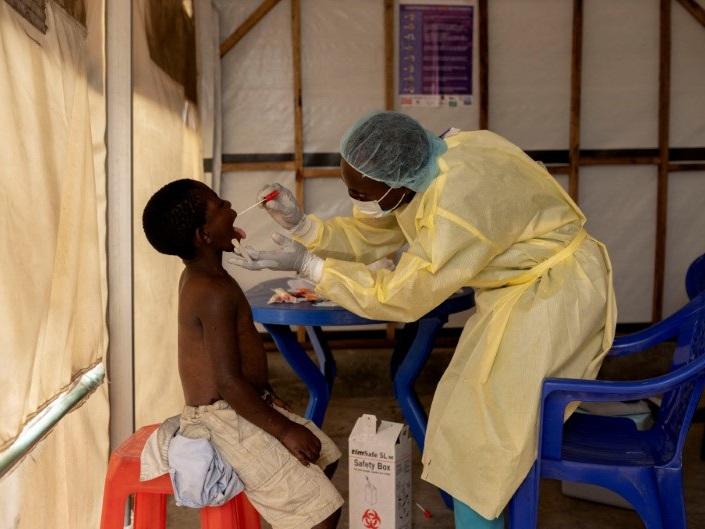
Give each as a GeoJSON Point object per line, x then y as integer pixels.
{"type": "Point", "coordinates": [435, 54]}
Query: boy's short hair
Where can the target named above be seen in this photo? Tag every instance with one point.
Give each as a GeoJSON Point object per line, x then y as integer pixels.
{"type": "Point", "coordinates": [172, 216]}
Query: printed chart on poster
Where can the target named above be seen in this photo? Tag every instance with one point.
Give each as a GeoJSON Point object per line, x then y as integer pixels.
{"type": "Point", "coordinates": [435, 54]}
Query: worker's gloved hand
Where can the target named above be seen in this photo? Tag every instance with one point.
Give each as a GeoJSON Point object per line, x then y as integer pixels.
{"type": "Point", "coordinates": [291, 256]}
{"type": "Point", "coordinates": [284, 209]}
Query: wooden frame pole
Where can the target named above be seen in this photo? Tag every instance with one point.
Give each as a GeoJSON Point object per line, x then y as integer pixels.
{"type": "Point", "coordinates": [663, 138]}
{"type": "Point", "coordinates": [675, 167]}
{"type": "Point", "coordinates": [120, 244]}
{"type": "Point", "coordinates": [321, 172]}
{"type": "Point", "coordinates": [575, 95]}
{"type": "Point", "coordinates": [258, 166]}
{"type": "Point", "coordinates": [298, 111]}
{"type": "Point", "coordinates": [484, 64]}
{"type": "Point", "coordinates": [389, 88]}
{"type": "Point", "coordinates": [389, 54]}
{"type": "Point", "coordinates": [298, 118]}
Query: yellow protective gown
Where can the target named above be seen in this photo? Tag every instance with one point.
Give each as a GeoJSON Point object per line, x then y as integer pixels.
{"type": "Point", "coordinates": [497, 221]}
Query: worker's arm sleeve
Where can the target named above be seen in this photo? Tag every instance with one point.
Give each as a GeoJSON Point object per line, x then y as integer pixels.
{"type": "Point", "coordinates": [444, 257]}
{"type": "Point", "coordinates": [363, 240]}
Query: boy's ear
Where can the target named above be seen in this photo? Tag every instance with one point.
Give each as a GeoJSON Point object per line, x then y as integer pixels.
{"type": "Point", "coordinates": [202, 237]}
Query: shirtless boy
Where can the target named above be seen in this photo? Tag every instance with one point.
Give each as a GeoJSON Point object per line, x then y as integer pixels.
{"type": "Point", "coordinates": [223, 368]}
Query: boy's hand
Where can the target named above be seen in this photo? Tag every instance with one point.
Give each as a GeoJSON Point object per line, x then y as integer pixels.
{"type": "Point", "coordinates": [302, 444]}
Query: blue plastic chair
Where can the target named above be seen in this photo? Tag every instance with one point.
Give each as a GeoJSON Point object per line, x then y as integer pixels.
{"type": "Point", "coordinates": [644, 467]}
{"type": "Point", "coordinates": [695, 277]}
{"type": "Point", "coordinates": [694, 285]}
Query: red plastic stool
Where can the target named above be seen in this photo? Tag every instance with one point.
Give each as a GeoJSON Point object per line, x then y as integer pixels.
{"type": "Point", "coordinates": [123, 479]}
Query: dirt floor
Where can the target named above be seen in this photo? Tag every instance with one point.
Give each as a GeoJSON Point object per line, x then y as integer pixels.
{"type": "Point", "coordinates": [363, 386]}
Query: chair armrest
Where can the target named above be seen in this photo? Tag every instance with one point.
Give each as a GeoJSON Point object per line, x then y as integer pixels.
{"type": "Point", "coordinates": [557, 393]}
{"type": "Point", "coordinates": [653, 335]}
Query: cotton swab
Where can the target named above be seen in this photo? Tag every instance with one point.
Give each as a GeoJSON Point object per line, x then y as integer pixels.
{"type": "Point", "coordinates": [426, 513]}
{"type": "Point", "coordinates": [267, 198]}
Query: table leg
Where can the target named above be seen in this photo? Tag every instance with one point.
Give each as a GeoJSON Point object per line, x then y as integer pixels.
{"type": "Point", "coordinates": [408, 371]}
{"type": "Point", "coordinates": [326, 362]}
{"type": "Point", "coordinates": [403, 343]}
{"type": "Point", "coordinates": [319, 393]}
{"type": "Point", "coordinates": [405, 377]}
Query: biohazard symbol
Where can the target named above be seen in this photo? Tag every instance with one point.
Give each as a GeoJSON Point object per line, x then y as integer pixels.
{"type": "Point", "coordinates": [370, 519]}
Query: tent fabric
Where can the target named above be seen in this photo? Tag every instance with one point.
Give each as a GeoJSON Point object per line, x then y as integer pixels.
{"type": "Point", "coordinates": [207, 21]}
{"type": "Point", "coordinates": [60, 485]}
{"type": "Point", "coordinates": [54, 292]}
{"type": "Point", "coordinates": [52, 301]}
{"type": "Point", "coordinates": [166, 147]}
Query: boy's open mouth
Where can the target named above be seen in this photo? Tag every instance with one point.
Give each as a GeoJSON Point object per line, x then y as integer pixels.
{"type": "Point", "coordinates": [239, 233]}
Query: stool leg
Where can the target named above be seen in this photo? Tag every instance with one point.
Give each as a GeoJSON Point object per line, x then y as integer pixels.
{"type": "Point", "coordinates": [222, 517]}
{"type": "Point", "coordinates": [238, 513]}
{"type": "Point", "coordinates": [150, 511]}
{"type": "Point", "coordinates": [248, 513]}
{"type": "Point", "coordinates": [113, 515]}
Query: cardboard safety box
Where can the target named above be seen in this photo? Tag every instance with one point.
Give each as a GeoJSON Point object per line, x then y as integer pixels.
{"type": "Point", "coordinates": [379, 461]}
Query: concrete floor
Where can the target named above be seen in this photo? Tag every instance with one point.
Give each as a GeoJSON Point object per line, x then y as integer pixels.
{"type": "Point", "coordinates": [362, 386]}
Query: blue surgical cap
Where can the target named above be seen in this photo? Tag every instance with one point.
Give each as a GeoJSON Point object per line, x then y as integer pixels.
{"type": "Point", "coordinates": [393, 148]}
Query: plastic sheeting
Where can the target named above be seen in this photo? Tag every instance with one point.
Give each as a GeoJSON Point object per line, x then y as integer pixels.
{"type": "Point", "coordinates": [623, 220]}
{"type": "Point", "coordinates": [684, 238]}
{"type": "Point", "coordinates": [258, 110]}
{"type": "Point", "coordinates": [342, 68]}
{"type": "Point", "coordinates": [342, 56]}
{"type": "Point", "coordinates": [209, 90]}
{"type": "Point", "coordinates": [687, 80]}
{"type": "Point", "coordinates": [54, 294]}
{"type": "Point", "coordinates": [529, 81]}
{"type": "Point", "coordinates": [51, 300]}
{"type": "Point", "coordinates": [166, 147]}
{"type": "Point", "coordinates": [620, 75]}
{"type": "Point", "coordinates": [61, 485]}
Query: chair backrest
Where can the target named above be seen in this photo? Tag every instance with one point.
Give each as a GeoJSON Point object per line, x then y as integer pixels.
{"type": "Point", "coordinates": [695, 277]}
{"type": "Point", "coordinates": [678, 405]}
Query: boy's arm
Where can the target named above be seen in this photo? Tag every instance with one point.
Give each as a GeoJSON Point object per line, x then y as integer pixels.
{"type": "Point", "coordinates": [218, 314]}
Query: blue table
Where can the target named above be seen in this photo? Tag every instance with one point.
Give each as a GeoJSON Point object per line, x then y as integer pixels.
{"type": "Point", "coordinates": [410, 352]}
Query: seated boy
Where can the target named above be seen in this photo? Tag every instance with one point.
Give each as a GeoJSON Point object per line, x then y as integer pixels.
{"type": "Point", "coordinates": [223, 368]}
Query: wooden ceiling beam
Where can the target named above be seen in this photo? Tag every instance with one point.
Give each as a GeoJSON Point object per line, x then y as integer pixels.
{"type": "Point", "coordinates": [695, 9]}
{"type": "Point", "coordinates": [250, 22]}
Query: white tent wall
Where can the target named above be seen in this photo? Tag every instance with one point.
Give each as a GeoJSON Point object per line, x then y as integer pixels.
{"type": "Point", "coordinates": [60, 484]}
{"type": "Point", "coordinates": [167, 145]}
{"type": "Point", "coordinates": [54, 296]}
{"type": "Point", "coordinates": [207, 24]}
{"type": "Point", "coordinates": [342, 54]}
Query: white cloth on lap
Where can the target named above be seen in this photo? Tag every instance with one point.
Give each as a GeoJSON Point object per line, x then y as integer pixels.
{"type": "Point", "coordinates": [199, 475]}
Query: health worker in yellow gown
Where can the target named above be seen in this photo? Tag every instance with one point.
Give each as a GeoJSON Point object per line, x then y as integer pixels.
{"type": "Point", "coordinates": [471, 210]}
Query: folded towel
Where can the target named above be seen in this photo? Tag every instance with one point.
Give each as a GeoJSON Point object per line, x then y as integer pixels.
{"type": "Point", "coordinates": [154, 460]}
{"type": "Point", "coordinates": [199, 475]}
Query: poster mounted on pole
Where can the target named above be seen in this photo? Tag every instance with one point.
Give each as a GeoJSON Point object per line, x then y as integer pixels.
{"type": "Point", "coordinates": [435, 54]}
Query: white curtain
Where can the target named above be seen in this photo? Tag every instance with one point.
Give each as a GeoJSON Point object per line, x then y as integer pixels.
{"type": "Point", "coordinates": [166, 147]}
{"type": "Point", "coordinates": [52, 300]}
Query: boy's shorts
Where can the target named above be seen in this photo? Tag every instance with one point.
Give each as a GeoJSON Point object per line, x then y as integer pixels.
{"type": "Point", "coordinates": [286, 493]}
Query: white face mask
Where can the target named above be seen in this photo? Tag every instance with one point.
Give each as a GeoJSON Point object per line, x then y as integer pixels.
{"type": "Point", "coordinates": [372, 209]}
